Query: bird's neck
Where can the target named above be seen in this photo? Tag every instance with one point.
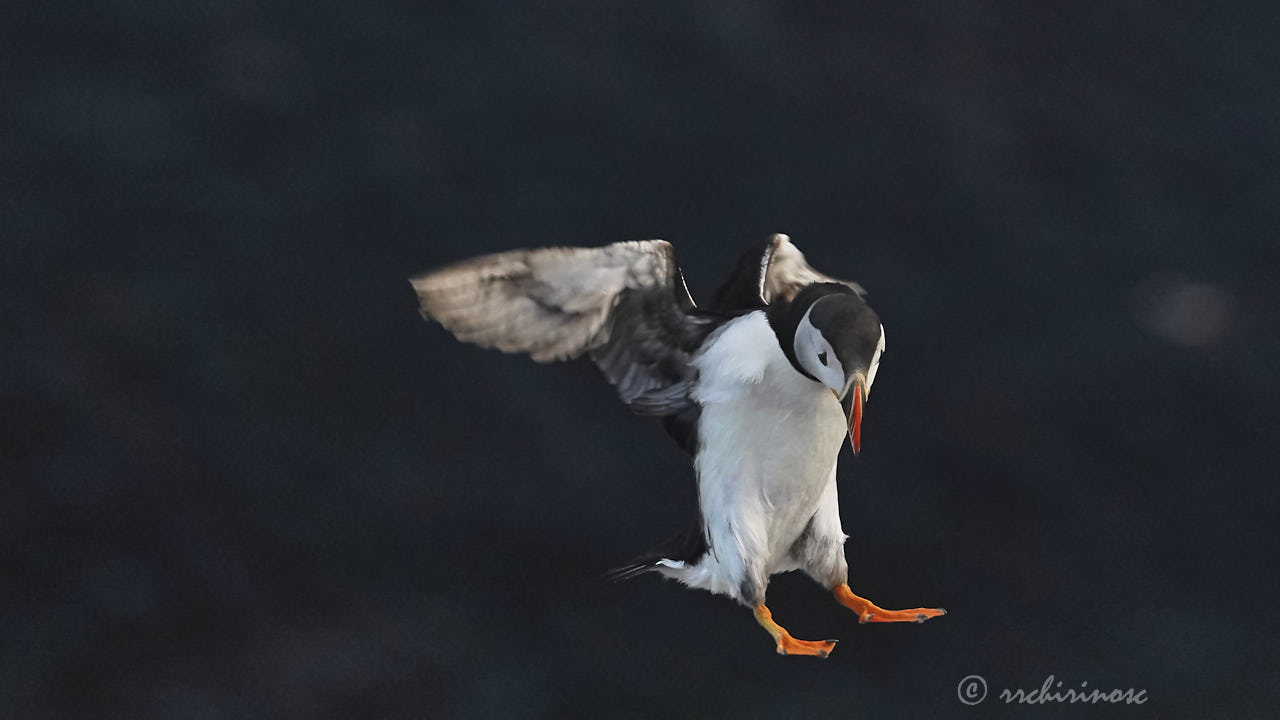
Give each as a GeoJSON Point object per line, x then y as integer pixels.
{"type": "Point", "coordinates": [785, 321]}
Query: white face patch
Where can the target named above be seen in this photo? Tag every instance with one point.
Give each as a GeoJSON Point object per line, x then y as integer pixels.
{"type": "Point", "coordinates": [875, 362]}
{"type": "Point", "coordinates": [816, 356]}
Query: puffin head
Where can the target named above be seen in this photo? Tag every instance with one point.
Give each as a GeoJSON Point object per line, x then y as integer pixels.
{"type": "Point", "coordinates": [836, 339]}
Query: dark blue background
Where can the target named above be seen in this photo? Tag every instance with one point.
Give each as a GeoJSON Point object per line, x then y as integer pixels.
{"type": "Point", "coordinates": [243, 479]}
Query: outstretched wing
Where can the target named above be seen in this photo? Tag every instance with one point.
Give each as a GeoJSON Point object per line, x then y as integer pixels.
{"type": "Point", "coordinates": [625, 304]}
{"type": "Point", "coordinates": [771, 272]}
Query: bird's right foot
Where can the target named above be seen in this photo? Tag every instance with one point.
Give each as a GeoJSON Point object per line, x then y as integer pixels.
{"type": "Point", "coordinates": [787, 645]}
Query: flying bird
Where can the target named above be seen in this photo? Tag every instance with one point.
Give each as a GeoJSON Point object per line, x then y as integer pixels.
{"type": "Point", "coordinates": [760, 388]}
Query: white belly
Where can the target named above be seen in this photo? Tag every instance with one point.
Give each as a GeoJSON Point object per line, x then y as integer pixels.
{"type": "Point", "coordinates": [765, 460]}
{"type": "Point", "coordinates": [769, 438]}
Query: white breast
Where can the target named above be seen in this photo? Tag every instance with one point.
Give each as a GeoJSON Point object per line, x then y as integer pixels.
{"type": "Point", "coordinates": [769, 438]}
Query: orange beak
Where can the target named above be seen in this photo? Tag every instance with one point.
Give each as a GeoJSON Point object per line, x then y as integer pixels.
{"type": "Point", "coordinates": [855, 420]}
{"type": "Point", "coordinates": [852, 404]}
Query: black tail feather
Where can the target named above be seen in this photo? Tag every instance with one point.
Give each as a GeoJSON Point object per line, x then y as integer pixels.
{"type": "Point", "coordinates": [687, 546]}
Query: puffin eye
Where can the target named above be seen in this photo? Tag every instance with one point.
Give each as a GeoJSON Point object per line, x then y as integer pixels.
{"type": "Point", "coordinates": [822, 357]}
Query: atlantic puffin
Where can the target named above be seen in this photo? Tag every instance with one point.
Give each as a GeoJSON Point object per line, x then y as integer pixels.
{"type": "Point", "coordinates": [760, 389]}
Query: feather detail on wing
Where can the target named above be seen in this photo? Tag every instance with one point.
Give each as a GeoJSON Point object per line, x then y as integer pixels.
{"type": "Point", "coordinates": [625, 304]}
{"type": "Point", "coordinates": [770, 273]}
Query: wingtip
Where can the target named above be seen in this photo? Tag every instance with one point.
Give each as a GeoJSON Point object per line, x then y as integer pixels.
{"type": "Point", "coordinates": [419, 281]}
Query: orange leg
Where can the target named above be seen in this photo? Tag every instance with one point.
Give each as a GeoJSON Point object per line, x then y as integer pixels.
{"type": "Point", "coordinates": [788, 645]}
{"type": "Point", "coordinates": [870, 612]}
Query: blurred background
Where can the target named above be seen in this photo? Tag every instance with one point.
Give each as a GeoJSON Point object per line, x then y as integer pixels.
{"type": "Point", "coordinates": [243, 479]}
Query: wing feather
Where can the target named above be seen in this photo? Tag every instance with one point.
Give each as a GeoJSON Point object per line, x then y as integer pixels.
{"type": "Point", "coordinates": [770, 273]}
{"type": "Point", "coordinates": [788, 273]}
{"type": "Point", "coordinates": [625, 304]}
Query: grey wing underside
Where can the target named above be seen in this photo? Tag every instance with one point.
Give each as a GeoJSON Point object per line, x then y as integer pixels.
{"type": "Point", "coordinates": [769, 273]}
{"type": "Point", "coordinates": [625, 305]}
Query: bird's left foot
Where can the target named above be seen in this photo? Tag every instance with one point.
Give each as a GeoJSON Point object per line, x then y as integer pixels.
{"type": "Point", "coordinates": [870, 612]}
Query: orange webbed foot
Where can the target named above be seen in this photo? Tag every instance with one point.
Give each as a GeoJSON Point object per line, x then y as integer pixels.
{"type": "Point", "coordinates": [787, 645]}
{"type": "Point", "coordinates": [870, 612]}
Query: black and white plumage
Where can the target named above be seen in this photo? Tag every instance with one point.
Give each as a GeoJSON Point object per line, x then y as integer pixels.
{"type": "Point", "coordinates": [761, 389]}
